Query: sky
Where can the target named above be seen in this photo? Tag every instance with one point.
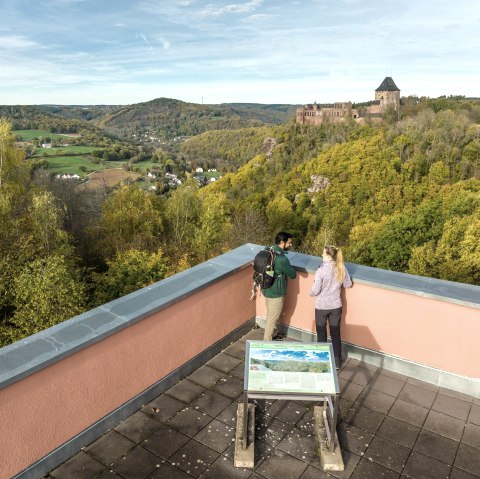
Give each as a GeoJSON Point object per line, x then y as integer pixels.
{"type": "Point", "coordinates": [80, 52]}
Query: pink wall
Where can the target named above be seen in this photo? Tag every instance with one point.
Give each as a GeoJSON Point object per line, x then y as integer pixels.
{"type": "Point", "coordinates": [423, 330]}
{"type": "Point", "coordinates": [44, 410]}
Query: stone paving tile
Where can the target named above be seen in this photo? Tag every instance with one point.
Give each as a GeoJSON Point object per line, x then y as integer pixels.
{"type": "Point", "coordinates": [353, 439]}
{"type": "Point", "coordinates": [206, 376]}
{"type": "Point", "coordinates": [376, 400]}
{"type": "Point", "coordinates": [392, 374]}
{"type": "Point", "coordinates": [358, 375]}
{"type": "Point", "coordinates": [109, 447]}
{"type": "Point", "coordinates": [452, 406]}
{"type": "Point", "coordinates": [194, 458]}
{"type": "Point", "coordinates": [185, 391]}
{"type": "Point", "coordinates": [399, 431]}
{"type": "Point", "coordinates": [361, 364]}
{"type": "Point", "coordinates": [422, 384]}
{"type": "Point", "coordinates": [108, 474]}
{"type": "Point", "coordinates": [216, 435]}
{"type": "Point", "coordinates": [299, 444]}
{"type": "Point", "coordinates": [236, 349]}
{"type": "Point", "coordinates": [255, 335]}
{"type": "Point", "coordinates": [408, 412]}
{"type": "Point", "coordinates": [344, 408]}
{"type": "Point", "coordinates": [224, 362]}
{"type": "Point", "coordinates": [307, 423]}
{"type": "Point", "coordinates": [80, 466]}
{"type": "Point", "coordinates": [137, 464]}
{"type": "Point", "coordinates": [189, 421]}
{"type": "Point", "coordinates": [280, 464]}
{"type": "Point", "coordinates": [364, 418]}
{"type": "Point", "coordinates": [229, 415]}
{"type": "Point", "coordinates": [387, 453]}
{"type": "Point", "coordinates": [474, 416]}
{"type": "Point", "coordinates": [349, 390]}
{"type": "Point", "coordinates": [471, 435]}
{"type": "Point", "coordinates": [417, 395]}
{"type": "Point", "coordinates": [223, 468]}
{"type": "Point", "coordinates": [289, 412]}
{"type": "Point", "coordinates": [211, 403]}
{"type": "Point", "coordinates": [238, 371]}
{"type": "Point", "coordinates": [349, 459]}
{"type": "Point", "coordinates": [165, 442]}
{"type": "Point", "coordinates": [368, 470]}
{"type": "Point", "coordinates": [138, 427]}
{"type": "Point", "coordinates": [386, 384]}
{"type": "Point", "coordinates": [436, 446]}
{"type": "Point", "coordinates": [460, 474]}
{"type": "Point", "coordinates": [230, 387]}
{"type": "Point", "coordinates": [163, 407]}
{"type": "Point", "coordinates": [456, 394]}
{"type": "Point", "coordinates": [444, 425]}
{"type": "Point", "coordinates": [271, 431]}
{"type": "Point", "coordinates": [312, 472]}
{"type": "Point", "coordinates": [167, 471]}
{"type": "Point", "coordinates": [468, 459]}
{"type": "Point", "coordinates": [420, 466]}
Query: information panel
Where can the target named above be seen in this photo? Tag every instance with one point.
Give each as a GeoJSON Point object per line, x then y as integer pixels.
{"type": "Point", "coordinates": [290, 367]}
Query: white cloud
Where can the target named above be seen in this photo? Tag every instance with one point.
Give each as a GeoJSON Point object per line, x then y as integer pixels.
{"type": "Point", "coordinates": [217, 10]}
{"type": "Point", "coordinates": [16, 41]}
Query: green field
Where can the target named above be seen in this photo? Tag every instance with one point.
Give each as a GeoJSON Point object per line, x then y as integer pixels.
{"type": "Point", "coordinates": [66, 150]}
{"type": "Point", "coordinates": [27, 135]}
{"type": "Point", "coordinates": [70, 164]}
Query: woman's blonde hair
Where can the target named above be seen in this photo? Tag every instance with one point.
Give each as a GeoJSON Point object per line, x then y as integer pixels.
{"type": "Point", "coordinates": [337, 255]}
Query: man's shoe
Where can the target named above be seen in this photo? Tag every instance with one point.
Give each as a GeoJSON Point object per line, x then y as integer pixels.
{"type": "Point", "coordinates": [279, 337]}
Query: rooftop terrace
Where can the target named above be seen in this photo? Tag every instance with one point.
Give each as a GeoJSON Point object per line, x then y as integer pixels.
{"type": "Point", "coordinates": [147, 386]}
{"type": "Point", "coordinates": [390, 426]}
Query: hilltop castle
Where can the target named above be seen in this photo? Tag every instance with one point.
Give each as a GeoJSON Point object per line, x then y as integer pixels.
{"type": "Point", "coordinates": [386, 95]}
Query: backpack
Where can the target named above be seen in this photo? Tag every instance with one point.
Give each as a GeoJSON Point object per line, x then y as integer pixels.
{"type": "Point", "coordinates": [263, 274]}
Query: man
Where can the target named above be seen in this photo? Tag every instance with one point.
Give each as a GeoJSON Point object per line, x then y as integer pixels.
{"type": "Point", "coordinates": [275, 295]}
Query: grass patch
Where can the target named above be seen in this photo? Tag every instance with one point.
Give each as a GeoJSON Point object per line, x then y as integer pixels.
{"type": "Point", "coordinates": [65, 150]}
{"type": "Point", "coordinates": [28, 135]}
{"type": "Point", "coordinates": [71, 164]}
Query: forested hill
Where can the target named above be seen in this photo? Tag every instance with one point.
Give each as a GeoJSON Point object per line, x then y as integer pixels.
{"type": "Point", "coordinates": [403, 196]}
{"type": "Point", "coordinates": [162, 119]}
{"type": "Point", "coordinates": [25, 117]}
{"type": "Point", "coordinates": [165, 118]}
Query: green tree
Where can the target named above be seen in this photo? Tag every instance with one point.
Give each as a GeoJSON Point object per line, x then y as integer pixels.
{"type": "Point", "coordinates": [128, 271]}
{"type": "Point", "coordinates": [214, 226]}
{"type": "Point", "coordinates": [131, 219]}
{"type": "Point", "coordinates": [46, 293]}
{"type": "Point", "coordinates": [182, 214]}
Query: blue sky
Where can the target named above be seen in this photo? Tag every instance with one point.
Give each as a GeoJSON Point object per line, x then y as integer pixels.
{"type": "Point", "coordinates": [264, 51]}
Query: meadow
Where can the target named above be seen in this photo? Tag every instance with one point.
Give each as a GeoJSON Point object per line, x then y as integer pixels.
{"type": "Point", "coordinates": [27, 135]}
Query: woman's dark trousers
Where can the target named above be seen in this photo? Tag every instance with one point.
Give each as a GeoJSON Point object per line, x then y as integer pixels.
{"type": "Point", "coordinates": [333, 316]}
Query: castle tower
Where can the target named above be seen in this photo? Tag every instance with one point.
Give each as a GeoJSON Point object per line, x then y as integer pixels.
{"type": "Point", "coordinates": [388, 94]}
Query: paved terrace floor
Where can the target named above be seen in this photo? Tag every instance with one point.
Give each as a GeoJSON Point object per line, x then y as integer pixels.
{"type": "Point", "coordinates": [391, 426]}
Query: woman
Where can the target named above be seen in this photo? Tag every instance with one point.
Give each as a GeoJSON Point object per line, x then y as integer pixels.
{"type": "Point", "coordinates": [327, 287]}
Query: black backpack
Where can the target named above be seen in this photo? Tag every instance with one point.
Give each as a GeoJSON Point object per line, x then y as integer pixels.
{"type": "Point", "coordinates": [263, 274]}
